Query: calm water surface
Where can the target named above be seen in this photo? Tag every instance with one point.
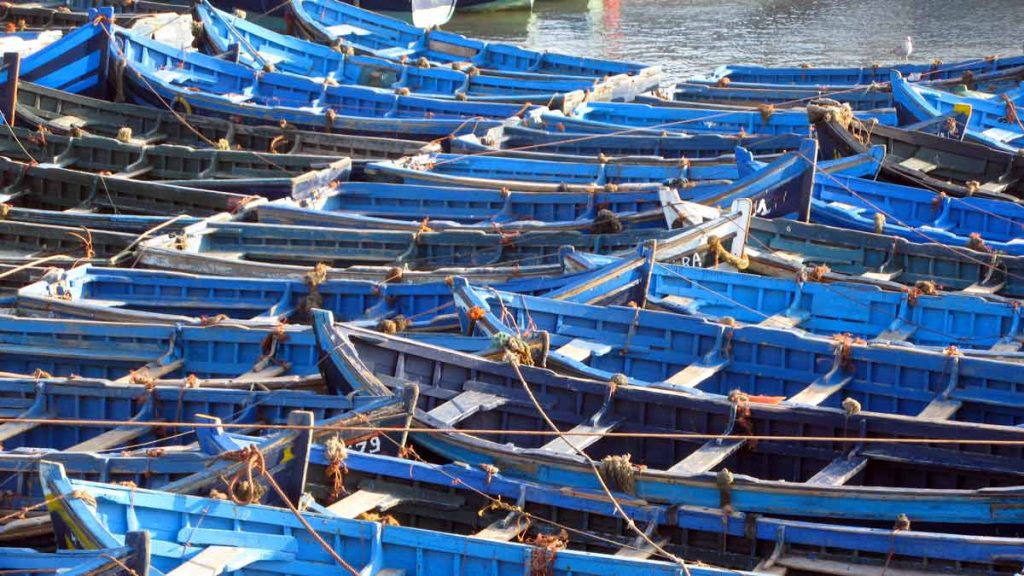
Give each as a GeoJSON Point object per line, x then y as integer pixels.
{"type": "Point", "coordinates": [692, 36]}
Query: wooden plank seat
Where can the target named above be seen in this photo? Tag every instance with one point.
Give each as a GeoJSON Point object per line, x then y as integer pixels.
{"type": "Point", "coordinates": [580, 350]}
{"type": "Point", "coordinates": [703, 459]}
{"type": "Point", "coordinates": [582, 435]}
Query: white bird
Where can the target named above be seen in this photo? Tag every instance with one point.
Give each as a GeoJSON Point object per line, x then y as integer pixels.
{"type": "Point", "coordinates": [908, 49]}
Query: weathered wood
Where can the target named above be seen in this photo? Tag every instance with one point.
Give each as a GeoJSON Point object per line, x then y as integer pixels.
{"type": "Point", "coordinates": [694, 374]}
{"type": "Point", "coordinates": [580, 350]}
{"type": "Point", "coordinates": [898, 334]}
{"type": "Point", "coordinates": [216, 560]}
{"type": "Point", "coordinates": [839, 471]}
{"type": "Point", "coordinates": [153, 370]}
{"type": "Point", "coordinates": [711, 454]}
{"type": "Point", "coordinates": [940, 409]}
{"type": "Point", "coordinates": [465, 405]}
{"type": "Point", "coordinates": [836, 568]}
{"type": "Point", "coordinates": [9, 90]}
{"type": "Point", "coordinates": [641, 549]}
{"type": "Point", "coordinates": [819, 390]}
{"type": "Point", "coordinates": [782, 321]}
{"type": "Point", "coordinates": [503, 530]}
{"type": "Point", "coordinates": [581, 436]}
{"type": "Point", "coordinates": [110, 439]}
{"type": "Point", "coordinates": [1007, 346]}
{"type": "Point", "coordinates": [295, 483]}
{"type": "Point", "coordinates": [883, 276]}
{"type": "Point", "coordinates": [258, 374]}
{"type": "Point", "coordinates": [983, 289]}
{"type": "Point", "coordinates": [362, 501]}
{"type": "Point", "coordinates": [919, 164]}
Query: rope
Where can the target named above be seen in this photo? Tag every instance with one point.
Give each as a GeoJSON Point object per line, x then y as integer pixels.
{"type": "Point", "coordinates": [618, 472]}
{"type": "Point", "coordinates": [313, 279]}
{"type": "Point", "coordinates": [1011, 111]}
{"type": "Point", "coordinates": [335, 451]}
{"type": "Point", "coordinates": [606, 222]}
{"type": "Point", "coordinates": [597, 473]}
{"type": "Point", "coordinates": [738, 262]}
{"type": "Point", "coordinates": [79, 422]}
{"type": "Point", "coordinates": [253, 462]}
{"type": "Point", "coordinates": [545, 548]}
{"type": "Point", "coordinates": [845, 343]}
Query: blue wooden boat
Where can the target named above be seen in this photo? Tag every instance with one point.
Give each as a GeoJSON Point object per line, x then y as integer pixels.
{"type": "Point", "coordinates": [335, 22]}
{"type": "Point", "coordinates": [267, 50]}
{"type": "Point", "coordinates": [197, 252]}
{"type": "Point", "coordinates": [972, 323]}
{"type": "Point", "coordinates": [104, 403]}
{"type": "Point", "coordinates": [218, 354]}
{"type": "Point", "coordinates": [125, 228]}
{"type": "Point", "coordinates": [128, 559]}
{"type": "Point", "coordinates": [516, 141]}
{"type": "Point", "coordinates": [157, 74]}
{"type": "Point", "coordinates": [258, 539]}
{"type": "Point", "coordinates": [31, 244]}
{"type": "Point", "coordinates": [869, 96]}
{"type": "Point", "coordinates": [117, 433]}
{"type": "Point", "coordinates": [441, 497]}
{"type": "Point", "coordinates": [151, 296]}
{"type": "Point", "coordinates": [848, 201]}
{"type": "Point", "coordinates": [72, 64]}
{"type": "Point", "coordinates": [226, 248]}
{"type": "Point", "coordinates": [68, 14]}
{"type": "Point", "coordinates": [380, 205]}
{"type": "Point", "coordinates": [644, 119]}
{"type": "Point", "coordinates": [249, 173]}
{"type": "Point", "coordinates": [966, 168]}
{"type": "Point", "coordinates": [917, 214]}
{"type": "Point", "coordinates": [778, 189]}
{"type": "Point", "coordinates": [717, 468]}
{"type": "Point", "coordinates": [486, 171]}
{"type": "Point", "coordinates": [693, 179]}
{"type": "Point", "coordinates": [74, 115]}
{"type": "Point", "coordinates": [706, 94]}
{"type": "Point", "coordinates": [817, 252]}
{"type": "Point", "coordinates": [989, 121]}
{"type": "Point", "coordinates": [51, 187]}
{"type": "Point", "coordinates": [688, 353]}
{"type": "Point", "coordinates": [749, 75]}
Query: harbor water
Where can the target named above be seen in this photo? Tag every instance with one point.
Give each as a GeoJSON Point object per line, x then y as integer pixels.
{"type": "Point", "coordinates": [691, 36]}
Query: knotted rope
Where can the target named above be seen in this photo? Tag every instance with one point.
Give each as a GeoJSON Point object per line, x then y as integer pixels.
{"type": "Point", "coordinates": [618, 472]}
{"type": "Point", "coordinates": [606, 222]}
{"type": "Point", "coordinates": [1011, 111]}
{"type": "Point", "coordinates": [738, 262]}
{"type": "Point", "coordinates": [921, 288]}
{"type": "Point", "coordinates": [393, 325]}
{"type": "Point", "coordinates": [254, 462]}
{"type": "Point", "coordinates": [336, 452]}
{"type": "Point", "coordinates": [546, 547]}
{"type": "Point", "coordinates": [313, 279]}
{"type": "Point", "coordinates": [845, 344]}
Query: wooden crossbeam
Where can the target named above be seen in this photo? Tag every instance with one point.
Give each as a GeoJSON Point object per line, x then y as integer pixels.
{"type": "Point", "coordinates": [465, 405]}
{"type": "Point", "coordinates": [839, 471]}
{"type": "Point", "coordinates": [711, 454]}
{"type": "Point", "coordinates": [581, 436]}
{"type": "Point", "coordinates": [694, 374]}
{"type": "Point", "coordinates": [819, 390]}
{"type": "Point", "coordinates": [940, 409]}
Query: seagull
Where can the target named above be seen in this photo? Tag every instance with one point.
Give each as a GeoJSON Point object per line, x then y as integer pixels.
{"type": "Point", "coordinates": [908, 49]}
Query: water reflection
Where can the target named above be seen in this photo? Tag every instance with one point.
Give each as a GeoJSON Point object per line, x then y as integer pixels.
{"type": "Point", "coordinates": [686, 36]}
